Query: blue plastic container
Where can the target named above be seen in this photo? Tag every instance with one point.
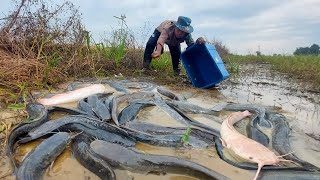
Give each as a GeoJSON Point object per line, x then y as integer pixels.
{"type": "Point", "coordinates": [204, 66]}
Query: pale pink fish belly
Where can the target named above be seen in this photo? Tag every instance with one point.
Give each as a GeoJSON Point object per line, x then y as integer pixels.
{"type": "Point", "coordinates": [73, 96]}
{"type": "Point", "coordinates": [244, 146]}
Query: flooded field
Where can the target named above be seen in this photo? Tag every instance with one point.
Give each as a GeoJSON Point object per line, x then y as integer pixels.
{"type": "Point", "coordinates": [255, 84]}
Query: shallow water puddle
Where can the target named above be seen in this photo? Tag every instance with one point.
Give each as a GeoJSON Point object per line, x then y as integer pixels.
{"type": "Point", "coordinates": [157, 116]}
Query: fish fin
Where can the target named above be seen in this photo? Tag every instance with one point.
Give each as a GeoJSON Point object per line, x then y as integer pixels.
{"type": "Point", "coordinates": [258, 171]}
{"type": "Point", "coordinates": [224, 144]}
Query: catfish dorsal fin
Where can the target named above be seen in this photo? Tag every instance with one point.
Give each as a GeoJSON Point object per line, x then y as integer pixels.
{"type": "Point", "coordinates": [260, 165]}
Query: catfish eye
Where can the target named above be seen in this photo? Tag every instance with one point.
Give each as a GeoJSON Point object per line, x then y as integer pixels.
{"type": "Point", "coordinates": [250, 157]}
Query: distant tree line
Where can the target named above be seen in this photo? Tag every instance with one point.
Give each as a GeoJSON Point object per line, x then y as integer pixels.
{"type": "Point", "coordinates": [312, 50]}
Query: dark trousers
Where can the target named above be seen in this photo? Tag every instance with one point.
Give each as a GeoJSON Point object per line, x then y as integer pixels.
{"type": "Point", "coordinates": [175, 52]}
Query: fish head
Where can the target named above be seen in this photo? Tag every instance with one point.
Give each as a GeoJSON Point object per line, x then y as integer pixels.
{"type": "Point", "coordinates": [246, 113]}
{"type": "Point", "coordinates": [35, 110]}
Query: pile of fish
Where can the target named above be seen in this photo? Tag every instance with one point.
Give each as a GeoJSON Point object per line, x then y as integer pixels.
{"type": "Point", "coordinates": [103, 135]}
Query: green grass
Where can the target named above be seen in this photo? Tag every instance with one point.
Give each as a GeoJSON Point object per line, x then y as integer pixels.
{"type": "Point", "coordinates": [185, 137]}
{"type": "Point", "coordinates": [163, 63]}
{"type": "Point", "coordinates": [302, 67]}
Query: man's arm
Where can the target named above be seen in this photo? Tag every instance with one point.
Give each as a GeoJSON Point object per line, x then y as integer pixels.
{"type": "Point", "coordinates": [160, 43]}
{"type": "Point", "coordinates": [157, 52]}
{"type": "Point", "coordinates": [189, 40]}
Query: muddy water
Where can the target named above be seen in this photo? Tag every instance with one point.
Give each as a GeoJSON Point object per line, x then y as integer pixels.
{"type": "Point", "coordinates": [156, 116]}
{"type": "Point", "coordinates": [262, 86]}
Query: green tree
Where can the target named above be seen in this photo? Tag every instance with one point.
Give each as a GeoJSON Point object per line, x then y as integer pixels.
{"type": "Point", "coordinates": [312, 50]}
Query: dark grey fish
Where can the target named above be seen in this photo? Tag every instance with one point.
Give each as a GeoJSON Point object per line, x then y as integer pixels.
{"type": "Point", "coordinates": [35, 164]}
{"type": "Point", "coordinates": [116, 86]}
{"type": "Point", "coordinates": [196, 125]}
{"type": "Point", "coordinates": [168, 94]}
{"type": "Point", "coordinates": [38, 114]}
{"type": "Point", "coordinates": [123, 158]}
{"type": "Point", "coordinates": [130, 112]}
{"type": "Point", "coordinates": [83, 153]}
{"type": "Point", "coordinates": [155, 129]}
{"type": "Point", "coordinates": [96, 133]}
{"type": "Point", "coordinates": [92, 99]}
{"type": "Point", "coordinates": [289, 175]}
{"type": "Point", "coordinates": [191, 108]}
{"type": "Point", "coordinates": [161, 140]}
{"type": "Point", "coordinates": [280, 138]}
{"type": "Point", "coordinates": [126, 97]}
{"type": "Point", "coordinates": [108, 102]}
{"type": "Point", "coordinates": [102, 111]}
{"type": "Point", "coordinates": [167, 140]}
{"type": "Point", "coordinates": [86, 107]}
{"type": "Point", "coordinates": [50, 126]}
{"type": "Point", "coordinates": [95, 106]}
{"type": "Point", "coordinates": [259, 119]}
{"type": "Point", "coordinates": [254, 132]}
{"type": "Point", "coordinates": [70, 111]}
{"type": "Point", "coordinates": [261, 111]}
{"type": "Point", "coordinates": [161, 130]}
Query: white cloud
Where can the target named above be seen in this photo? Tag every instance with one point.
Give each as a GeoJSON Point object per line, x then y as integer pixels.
{"type": "Point", "coordinates": [275, 26]}
{"type": "Point", "coordinates": [279, 29]}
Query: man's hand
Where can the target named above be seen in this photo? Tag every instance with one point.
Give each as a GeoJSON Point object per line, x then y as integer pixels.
{"type": "Point", "coordinates": [156, 54]}
{"type": "Point", "coordinates": [200, 40]}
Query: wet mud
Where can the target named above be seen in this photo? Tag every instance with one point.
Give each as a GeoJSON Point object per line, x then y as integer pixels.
{"type": "Point", "coordinates": [255, 84]}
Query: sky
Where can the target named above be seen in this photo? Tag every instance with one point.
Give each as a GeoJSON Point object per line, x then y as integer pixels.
{"type": "Point", "coordinates": [246, 26]}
